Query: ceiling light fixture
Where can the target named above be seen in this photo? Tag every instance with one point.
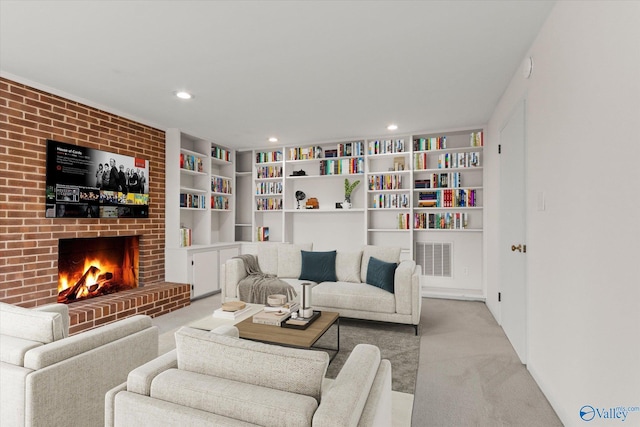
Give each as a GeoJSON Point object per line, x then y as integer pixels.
{"type": "Point", "coordinates": [273, 139]}
{"type": "Point", "coordinates": [392, 127]}
{"type": "Point", "coordinates": [184, 95]}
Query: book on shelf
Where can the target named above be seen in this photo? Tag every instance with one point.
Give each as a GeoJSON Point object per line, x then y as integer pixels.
{"type": "Point", "coordinates": [270, 318]}
{"type": "Point", "coordinates": [476, 139]}
{"type": "Point", "coordinates": [223, 314]}
{"type": "Point", "coordinates": [263, 234]}
{"type": "Point", "coordinates": [185, 237]}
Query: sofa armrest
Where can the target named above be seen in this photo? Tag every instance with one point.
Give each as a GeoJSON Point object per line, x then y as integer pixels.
{"type": "Point", "coordinates": [109, 404]}
{"type": "Point", "coordinates": [234, 271]}
{"type": "Point", "coordinates": [61, 309]}
{"type": "Point", "coordinates": [344, 402]}
{"type": "Point", "coordinates": [407, 290]}
{"type": "Point", "coordinates": [139, 380]}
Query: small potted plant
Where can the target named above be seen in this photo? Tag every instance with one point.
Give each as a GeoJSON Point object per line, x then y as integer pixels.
{"type": "Point", "coordinates": [348, 189]}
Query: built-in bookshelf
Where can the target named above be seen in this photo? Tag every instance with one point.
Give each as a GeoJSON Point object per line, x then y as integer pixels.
{"type": "Point", "coordinates": [409, 185]}
{"type": "Point", "coordinates": [199, 210]}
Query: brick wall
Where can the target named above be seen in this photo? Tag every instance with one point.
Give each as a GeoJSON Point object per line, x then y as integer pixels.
{"type": "Point", "coordinates": [28, 240]}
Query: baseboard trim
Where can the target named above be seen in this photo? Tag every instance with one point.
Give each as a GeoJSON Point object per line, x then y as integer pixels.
{"type": "Point", "coordinates": [455, 294]}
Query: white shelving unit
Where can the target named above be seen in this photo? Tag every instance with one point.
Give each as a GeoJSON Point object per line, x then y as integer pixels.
{"type": "Point", "coordinates": [387, 214]}
{"type": "Point", "coordinates": [199, 190]}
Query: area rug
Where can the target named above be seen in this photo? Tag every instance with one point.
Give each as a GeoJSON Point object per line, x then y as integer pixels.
{"type": "Point", "coordinates": [398, 343]}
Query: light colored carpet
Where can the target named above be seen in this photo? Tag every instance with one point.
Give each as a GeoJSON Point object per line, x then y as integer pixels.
{"type": "Point", "coordinates": [469, 375]}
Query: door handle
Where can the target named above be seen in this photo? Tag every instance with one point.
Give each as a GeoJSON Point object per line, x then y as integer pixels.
{"type": "Point", "coordinates": [519, 248]}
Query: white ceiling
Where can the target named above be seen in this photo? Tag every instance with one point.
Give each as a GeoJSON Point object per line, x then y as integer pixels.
{"type": "Point", "coordinates": [304, 71]}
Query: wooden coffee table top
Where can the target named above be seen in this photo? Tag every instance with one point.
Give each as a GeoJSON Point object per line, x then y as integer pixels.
{"type": "Point", "coordinates": [287, 336]}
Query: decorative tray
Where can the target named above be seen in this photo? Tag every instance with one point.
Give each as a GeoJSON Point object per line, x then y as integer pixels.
{"type": "Point", "coordinates": [301, 322]}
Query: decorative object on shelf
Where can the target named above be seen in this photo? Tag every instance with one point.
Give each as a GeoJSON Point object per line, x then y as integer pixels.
{"type": "Point", "coordinates": [312, 203]}
{"type": "Point", "coordinates": [300, 196]}
{"type": "Point", "coordinates": [305, 300]}
{"type": "Point", "coordinates": [348, 189]}
{"type": "Point", "coordinates": [301, 172]}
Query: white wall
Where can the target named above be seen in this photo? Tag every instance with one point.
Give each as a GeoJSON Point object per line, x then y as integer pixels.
{"type": "Point", "coordinates": [583, 250]}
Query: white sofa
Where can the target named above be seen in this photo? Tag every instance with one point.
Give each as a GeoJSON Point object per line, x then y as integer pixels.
{"type": "Point", "coordinates": [52, 379]}
{"type": "Point", "coordinates": [220, 380]}
{"type": "Point", "coordinates": [349, 295]}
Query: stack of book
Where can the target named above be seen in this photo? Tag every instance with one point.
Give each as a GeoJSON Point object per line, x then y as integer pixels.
{"type": "Point", "coordinates": [273, 318]}
{"type": "Point", "coordinates": [221, 313]}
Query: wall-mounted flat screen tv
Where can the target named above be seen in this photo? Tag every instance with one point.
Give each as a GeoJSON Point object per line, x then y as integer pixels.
{"type": "Point", "coordinates": [84, 182]}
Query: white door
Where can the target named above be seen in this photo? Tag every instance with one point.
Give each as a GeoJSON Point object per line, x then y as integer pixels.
{"type": "Point", "coordinates": [512, 231]}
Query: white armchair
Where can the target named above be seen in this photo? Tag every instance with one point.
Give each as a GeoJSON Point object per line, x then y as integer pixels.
{"type": "Point", "coordinates": [51, 379]}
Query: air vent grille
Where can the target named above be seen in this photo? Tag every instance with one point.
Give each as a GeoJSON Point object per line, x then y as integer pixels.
{"type": "Point", "coordinates": [434, 258]}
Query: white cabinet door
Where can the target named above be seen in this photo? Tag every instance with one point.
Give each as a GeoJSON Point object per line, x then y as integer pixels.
{"type": "Point", "coordinates": [205, 267]}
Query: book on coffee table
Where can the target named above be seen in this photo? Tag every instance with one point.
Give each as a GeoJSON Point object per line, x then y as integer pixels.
{"type": "Point", "coordinates": [274, 318]}
{"type": "Point", "coordinates": [220, 313]}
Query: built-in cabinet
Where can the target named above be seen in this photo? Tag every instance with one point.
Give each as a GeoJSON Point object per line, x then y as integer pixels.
{"type": "Point", "coordinates": [199, 211]}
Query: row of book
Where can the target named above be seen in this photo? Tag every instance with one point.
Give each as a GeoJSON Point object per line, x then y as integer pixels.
{"type": "Point", "coordinates": [185, 237]}
{"type": "Point", "coordinates": [404, 221]}
{"type": "Point", "coordinates": [385, 182]}
{"type": "Point", "coordinates": [431, 143]}
{"type": "Point", "coordinates": [262, 234]}
{"type": "Point", "coordinates": [386, 146]}
{"type": "Point", "coordinates": [390, 200]}
{"type": "Point", "coordinates": [347, 149]}
{"type": "Point", "coordinates": [342, 166]}
{"type": "Point", "coordinates": [196, 201]}
{"type": "Point", "coordinates": [268, 156]}
{"type": "Point", "coordinates": [440, 221]}
{"type": "Point", "coordinates": [305, 153]}
{"type": "Point", "coordinates": [270, 187]}
{"type": "Point", "coordinates": [269, 204]}
{"type": "Point", "coordinates": [220, 153]}
{"type": "Point", "coordinates": [476, 139]}
{"type": "Point", "coordinates": [220, 185]}
{"type": "Point", "coordinates": [220, 203]}
{"type": "Point", "coordinates": [269, 172]}
{"type": "Point", "coordinates": [440, 180]}
{"type": "Point", "coordinates": [459, 160]}
{"type": "Point", "coordinates": [447, 199]}
{"type": "Point", "coordinates": [420, 161]}
{"type": "Point", "coordinates": [191, 162]}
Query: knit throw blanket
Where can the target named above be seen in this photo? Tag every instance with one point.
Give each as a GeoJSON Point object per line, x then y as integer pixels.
{"type": "Point", "coordinates": [257, 286]}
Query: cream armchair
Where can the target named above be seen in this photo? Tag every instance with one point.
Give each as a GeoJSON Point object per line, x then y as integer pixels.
{"type": "Point", "coordinates": [51, 379]}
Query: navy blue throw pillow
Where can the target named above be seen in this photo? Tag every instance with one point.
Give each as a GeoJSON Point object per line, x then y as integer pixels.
{"type": "Point", "coordinates": [381, 274]}
{"type": "Point", "coordinates": [318, 266]}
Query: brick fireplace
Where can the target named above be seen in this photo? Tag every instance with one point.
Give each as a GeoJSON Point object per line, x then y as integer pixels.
{"type": "Point", "coordinates": [29, 241]}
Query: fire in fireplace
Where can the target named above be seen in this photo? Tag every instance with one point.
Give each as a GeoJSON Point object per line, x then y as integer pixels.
{"type": "Point", "coordinates": [96, 266]}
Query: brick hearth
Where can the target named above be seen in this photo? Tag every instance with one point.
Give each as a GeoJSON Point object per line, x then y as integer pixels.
{"type": "Point", "coordinates": [153, 300]}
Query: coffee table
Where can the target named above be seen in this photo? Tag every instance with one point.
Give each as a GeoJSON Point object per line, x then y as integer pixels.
{"type": "Point", "coordinates": [300, 338]}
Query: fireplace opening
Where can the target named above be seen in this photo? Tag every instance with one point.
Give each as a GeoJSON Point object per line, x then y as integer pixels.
{"type": "Point", "coordinates": [90, 267]}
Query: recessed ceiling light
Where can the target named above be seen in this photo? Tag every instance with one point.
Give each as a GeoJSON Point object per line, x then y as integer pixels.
{"type": "Point", "coordinates": [184, 95]}
{"type": "Point", "coordinates": [273, 139]}
{"type": "Point", "coordinates": [392, 127]}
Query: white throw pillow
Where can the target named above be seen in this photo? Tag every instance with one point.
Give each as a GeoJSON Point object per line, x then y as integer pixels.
{"type": "Point", "coordinates": [348, 266]}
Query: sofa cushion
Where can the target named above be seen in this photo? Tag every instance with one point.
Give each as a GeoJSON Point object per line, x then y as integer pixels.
{"type": "Point", "coordinates": [289, 369]}
{"type": "Point", "coordinates": [268, 258]}
{"type": "Point", "coordinates": [237, 400]}
{"type": "Point", "coordinates": [381, 274]}
{"type": "Point", "coordinates": [348, 266]}
{"type": "Point", "coordinates": [382, 253]}
{"type": "Point", "coordinates": [290, 259]}
{"type": "Point", "coordinates": [31, 325]}
{"type": "Point", "coordinates": [352, 296]}
{"type": "Point", "coordinates": [318, 266]}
